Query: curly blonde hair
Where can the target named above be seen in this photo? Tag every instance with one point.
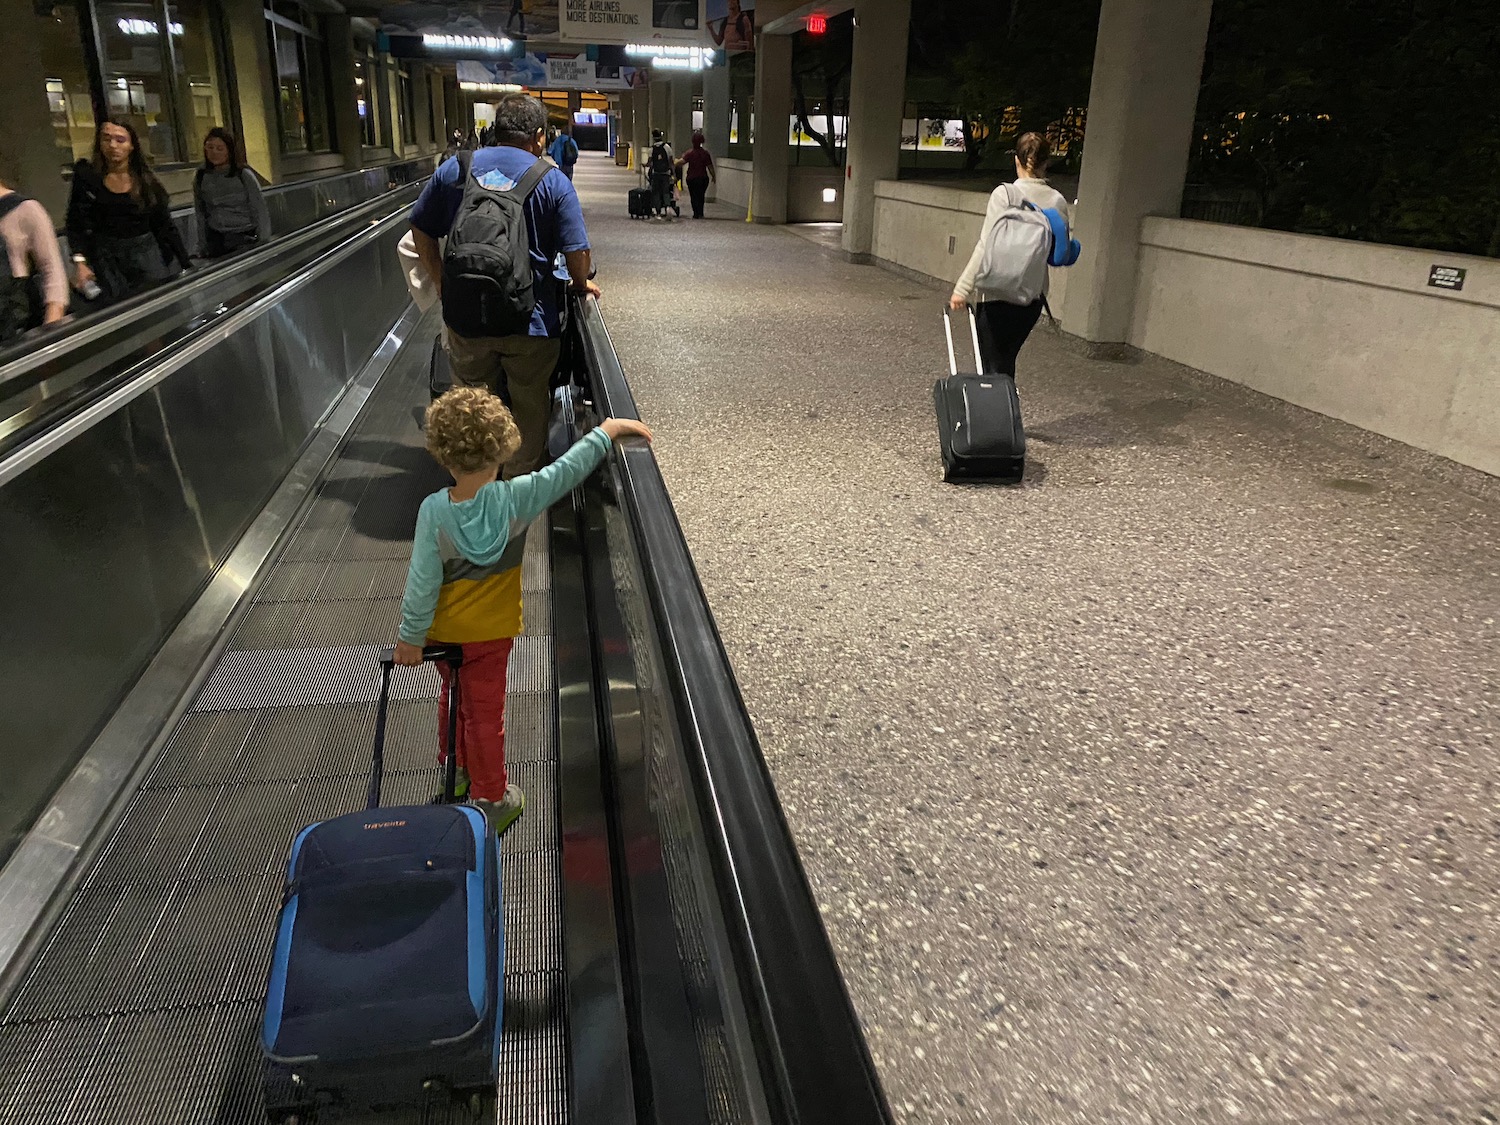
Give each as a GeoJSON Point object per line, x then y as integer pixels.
{"type": "Point", "coordinates": [469, 429]}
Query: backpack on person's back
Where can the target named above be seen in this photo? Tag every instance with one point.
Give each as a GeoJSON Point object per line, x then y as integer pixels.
{"type": "Point", "coordinates": [661, 163]}
{"type": "Point", "coordinates": [487, 278]}
{"type": "Point", "coordinates": [1024, 241]}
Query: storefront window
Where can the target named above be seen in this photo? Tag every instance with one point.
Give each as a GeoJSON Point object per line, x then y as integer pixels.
{"type": "Point", "coordinates": [297, 52]}
{"type": "Point", "coordinates": [408, 107]}
{"type": "Point", "coordinates": [68, 96]}
{"type": "Point", "coordinates": [371, 91]}
{"type": "Point", "coordinates": [199, 87]}
{"type": "Point", "coordinates": [137, 76]}
{"type": "Point", "coordinates": [365, 99]}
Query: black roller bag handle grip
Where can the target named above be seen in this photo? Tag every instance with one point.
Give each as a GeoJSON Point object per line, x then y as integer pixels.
{"type": "Point", "coordinates": [451, 655]}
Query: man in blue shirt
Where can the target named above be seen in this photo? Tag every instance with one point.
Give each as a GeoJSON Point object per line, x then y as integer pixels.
{"type": "Point", "coordinates": [564, 151]}
{"type": "Point", "coordinates": [554, 223]}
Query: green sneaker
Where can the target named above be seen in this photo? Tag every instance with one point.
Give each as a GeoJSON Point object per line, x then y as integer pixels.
{"type": "Point", "coordinates": [460, 789]}
{"type": "Point", "coordinates": [504, 812]}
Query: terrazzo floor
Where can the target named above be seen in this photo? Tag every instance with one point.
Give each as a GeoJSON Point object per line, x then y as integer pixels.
{"type": "Point", "coordinates": [1161, 788]}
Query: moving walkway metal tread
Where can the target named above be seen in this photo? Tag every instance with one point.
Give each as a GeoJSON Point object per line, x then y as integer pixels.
{"type": "Point", "coordinates": [144, 1004]}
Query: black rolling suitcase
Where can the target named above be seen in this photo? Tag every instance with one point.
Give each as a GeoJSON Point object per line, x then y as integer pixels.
{"type": "Point", "coordinates": [979, 419]}
{"type": "Point", "coordinates": [384, 989]}
{"type": "Point", "coordinates": [640, 203]}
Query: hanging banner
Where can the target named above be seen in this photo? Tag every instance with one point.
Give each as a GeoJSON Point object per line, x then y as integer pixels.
{"type": "Point", "coordinates": [630, 21]}
{"type": "Point", "coordinates": [731, 24]}
{"type": "Point", "coordinates": [530, 19]}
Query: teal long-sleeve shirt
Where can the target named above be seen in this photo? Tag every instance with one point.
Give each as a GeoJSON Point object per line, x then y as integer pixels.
{"type": "Point", "coordinates": [464, 582]}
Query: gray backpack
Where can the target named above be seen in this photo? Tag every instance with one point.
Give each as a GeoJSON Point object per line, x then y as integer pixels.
{"type": "Point", "coordinates": [1014, 266]}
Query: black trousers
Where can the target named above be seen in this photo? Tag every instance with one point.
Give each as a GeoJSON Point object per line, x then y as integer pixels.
{"type": "Point", "coordinates": [698, 189]}
{"type": "Point", "coordinates": [1003, 329]}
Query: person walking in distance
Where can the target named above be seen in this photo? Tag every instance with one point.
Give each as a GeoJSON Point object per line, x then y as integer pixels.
{"type": "Point", "coordinates": [661, 170]}
{"type": "Point", "coordinates": [501, 315]}
{"type": "Point", "coordinates": [463, 586]}
{"type": "Point", "coordinates": [564, 151]}
{"type": "Point", "coordinates": [1004, 327]}
{"type": "Point", "coordinates": [699, 165]}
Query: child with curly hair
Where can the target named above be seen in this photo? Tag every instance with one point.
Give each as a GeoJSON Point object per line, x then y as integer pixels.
{"type": "Point", "coordinates": [464, 583]}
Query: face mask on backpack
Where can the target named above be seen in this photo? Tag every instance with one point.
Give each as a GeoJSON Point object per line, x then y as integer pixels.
{"type": "Point", "coordinates": [487, 279]}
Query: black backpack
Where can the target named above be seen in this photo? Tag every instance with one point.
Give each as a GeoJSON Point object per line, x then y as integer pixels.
{"type": "Point", "coordinates": [487, 280]}
{"type": "Point", "coordinates": [661, 160]}
{"type": "Point", "coordinates": [20, 297]}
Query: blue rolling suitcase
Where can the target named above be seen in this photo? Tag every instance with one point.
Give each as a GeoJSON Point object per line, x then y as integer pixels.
{"type": "Point", "coordinates": [384, 987]}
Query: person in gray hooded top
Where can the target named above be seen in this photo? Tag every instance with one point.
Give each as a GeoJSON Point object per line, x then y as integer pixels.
{"type": "Point", "coordinates": [232, 214]}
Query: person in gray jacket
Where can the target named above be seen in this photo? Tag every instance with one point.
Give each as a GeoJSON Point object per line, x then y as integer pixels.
{"type": "Point", "coordinates": [232, 213]}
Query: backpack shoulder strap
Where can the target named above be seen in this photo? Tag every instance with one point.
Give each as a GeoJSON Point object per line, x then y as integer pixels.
{"type": "Point", "coordinates": [533, 177]}
{"type": "Point", "coordinates": [465, 165]}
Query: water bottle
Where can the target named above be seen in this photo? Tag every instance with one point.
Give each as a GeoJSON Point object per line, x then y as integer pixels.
{"type": "Point", "coordinates": [90, 290]}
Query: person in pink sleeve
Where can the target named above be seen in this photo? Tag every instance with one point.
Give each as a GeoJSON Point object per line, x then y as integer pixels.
{"type": "Point", "coordinates": [34, 290]}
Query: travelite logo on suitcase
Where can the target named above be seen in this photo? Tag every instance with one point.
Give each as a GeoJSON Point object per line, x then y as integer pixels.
{"type": "Point", "coordinates": [385, 824]}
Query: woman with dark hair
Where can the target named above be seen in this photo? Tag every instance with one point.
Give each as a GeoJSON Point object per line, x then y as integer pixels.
{"type": "Point", "coordinates": [232, 213]}
{"type": "Point", "coordinates": [119, 222]}
{"type": "Point", "coordinates": [1004, 327]}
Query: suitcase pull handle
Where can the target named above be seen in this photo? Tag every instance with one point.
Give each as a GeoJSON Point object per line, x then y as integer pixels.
{"type": "Point", "coordinates": [973, 337]}
{"type": "Point", "coordinates": [451, 655]}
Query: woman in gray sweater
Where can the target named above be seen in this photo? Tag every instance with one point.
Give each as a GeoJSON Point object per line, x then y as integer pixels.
{"type": "Point", "coordinates": [232, 213]}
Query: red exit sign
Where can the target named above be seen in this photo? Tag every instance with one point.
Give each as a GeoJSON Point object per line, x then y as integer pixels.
{"type": "Point", "coordinates": [817, 25]}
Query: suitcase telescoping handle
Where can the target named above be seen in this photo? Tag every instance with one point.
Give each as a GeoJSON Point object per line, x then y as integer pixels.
{"type": "Point", "coordinates": [451, 655]}
{"type": "Point", "coordinates": [973, 337]}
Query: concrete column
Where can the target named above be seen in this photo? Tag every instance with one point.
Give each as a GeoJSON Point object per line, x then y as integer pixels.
{"type": "Point", "coordinates": [30, 160]}
{"type": "Point", "coordinates": [660, 110]}
{"type": "Point", "coordinates": [453, 108]}
{"type": "Point", "coordinates": [877, 96]}
{"type": "Point", "coordinates": [421, 92]}
{"type": "Point", "coordinates": [255, 85]}
{"type": "Point", "coordinates": [642, 129]}
{"type": "Point", "coordinates": [1148, 65]}
{"type": "Point", "coordinates": [716, 110]}
{"type": "Point", "coordinates": [681, 131]}
{"type": "Point", "coordinates": [627, 117]}
{"type": "Point", "coordinates": [716, 115]}
{"type": "Point", "coordinates": [340, 42]}
{"type": "Point", "coordinates": [773, 112]}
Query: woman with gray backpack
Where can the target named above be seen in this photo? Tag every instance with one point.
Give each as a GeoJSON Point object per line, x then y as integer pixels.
{"type": "Point", "coordinates": [1027, 228]}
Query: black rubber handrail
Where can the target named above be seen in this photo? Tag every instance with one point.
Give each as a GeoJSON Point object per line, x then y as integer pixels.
{"type": "Point", "coordinates": [815, 1063]}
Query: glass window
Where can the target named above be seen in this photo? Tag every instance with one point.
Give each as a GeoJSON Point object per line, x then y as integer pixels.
{"type": "Point", "coordinates": [408, 107]}
{"type": "Point", "coordinates": [372, 85]}
{"type": "Point", "coordinates": [199, 85]}
{"type": "Point", "coordinates": [61, 46]}
{"type": "Point", "coordinates": [297, 53]}
{"type": "Point", "coordinates": [364, 98]}
{"type": "Point", "coordinates": [137, 78]}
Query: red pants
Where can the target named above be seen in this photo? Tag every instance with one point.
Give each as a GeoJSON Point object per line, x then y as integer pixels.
{"type": "Point", "coordinates": [481, 716]}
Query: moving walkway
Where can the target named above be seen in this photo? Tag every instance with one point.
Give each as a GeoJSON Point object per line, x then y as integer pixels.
{"type": "Point", "coordinates": [211, 546]}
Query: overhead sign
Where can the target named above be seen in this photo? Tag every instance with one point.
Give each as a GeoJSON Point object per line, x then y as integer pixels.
{"type": "Point", "coordinates": [557, 72]}
{"type": "Point", "coordinates": [570, 73]}
{"type": "Point", "coordinates": [631, 21]}
{"type": "Point", "coordinates": [1447, 277]}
